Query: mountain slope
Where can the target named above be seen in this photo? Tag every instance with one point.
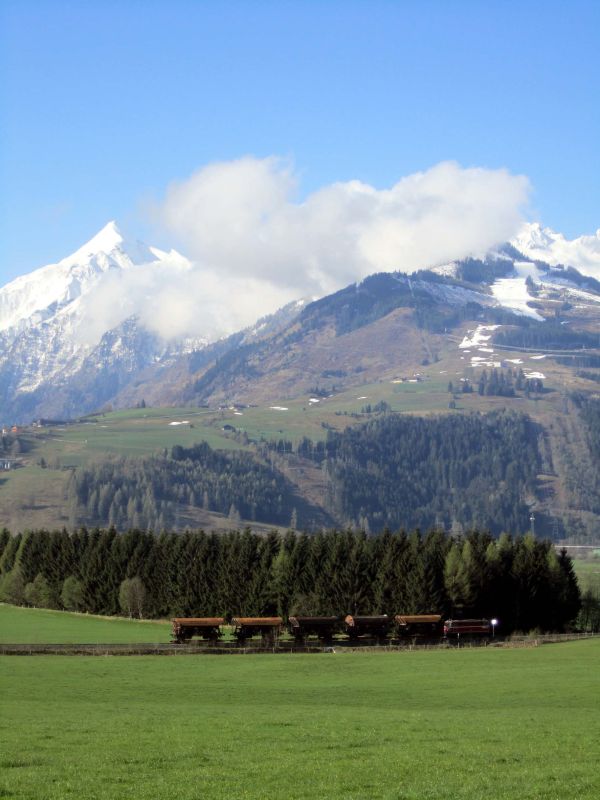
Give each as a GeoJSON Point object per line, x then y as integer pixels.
{"type": "Point", "coordinates": [391, 324]}
{"type": "Point", "coordinates": [65, 350]}
{"type": "Point", "coordinates": [69, 342]}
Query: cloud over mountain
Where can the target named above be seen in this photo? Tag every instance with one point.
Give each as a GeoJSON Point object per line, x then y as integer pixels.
{"type": "Point", "coordinates": [256, 246]}
{"type": "Point", "coordinates": [253, 245]}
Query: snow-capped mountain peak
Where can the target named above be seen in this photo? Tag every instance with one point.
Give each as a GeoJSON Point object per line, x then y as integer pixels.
{"type": "Point", "coordinates": [57, 322]}
{"type": "Point", "coordinates": [39, 295]}
{"type": "Point", "coordinates": [544, 244]}
{"type": "Point", "coordinates": [110, 242]}
{"type": "Point", "coordinates": [533, 236]}
{"type": "Point", "coordinates": [106, 240]}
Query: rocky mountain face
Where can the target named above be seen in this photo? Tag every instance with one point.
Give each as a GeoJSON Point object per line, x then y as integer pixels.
{"type": "Point", "coordinates": [55, 363]}
{"type": "Point", "coordinates": [50, 366]}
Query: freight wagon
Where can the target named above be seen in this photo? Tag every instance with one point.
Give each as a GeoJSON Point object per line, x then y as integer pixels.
{"type": "Point", "coordinates": [453, 628]}
{"type": "Point", "coordinates": [428, 626]}
{"type": "Point", "coordinates": [380, 628]}
{"type": "Point", "coordinates": [376, 627]}
{"type": "Point", "coordinates": [185, 628]}
{"type": "Point", "coordinates": [268, 628]}
{"type": "Point", "coordinates": [323, 628]}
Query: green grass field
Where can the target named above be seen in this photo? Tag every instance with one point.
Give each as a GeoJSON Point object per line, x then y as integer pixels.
{"type": "Point", "coordinates": [480, 723]}
{"type": "Point", "coordinates": [33, 625]}
{"type": "Point", "coordinates": [588, 573]}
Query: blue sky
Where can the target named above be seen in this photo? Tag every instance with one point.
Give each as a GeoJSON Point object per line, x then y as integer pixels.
{"type": "Point", "coordinates": [103, 104]}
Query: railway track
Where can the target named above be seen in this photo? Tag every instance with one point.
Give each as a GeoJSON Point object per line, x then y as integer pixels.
{"type": "Point", "coordinates": [210, 648]}
{"type": "Point", "coordinates": [281, 647]}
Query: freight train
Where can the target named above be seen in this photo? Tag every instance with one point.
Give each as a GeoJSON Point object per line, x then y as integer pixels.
{"type": "Point", "coordinates": [379, 628]}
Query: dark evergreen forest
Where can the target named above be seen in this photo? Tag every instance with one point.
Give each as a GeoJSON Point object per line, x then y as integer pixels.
{"type": "Point", "coordinates": [379, 294]}
{"type": "Point", "coordinates": [456, 472]}
{"type": "Point", "coordinates": [470, 470]}
{"type": "Point", "coordinates": [590, 414]}
{"type": "Point", "coordinates": [498, 383]}
{"type": "Point", "coordinates": [146, 492]}
{"type": "Point", "coordinates": [587, 490]}
{"type": "Point", "coordinates": [547, 336]}
{"type": "Point", "coordinates": [521, 581]}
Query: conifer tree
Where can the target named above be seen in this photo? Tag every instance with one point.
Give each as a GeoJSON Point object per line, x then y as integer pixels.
{"type": "Point", "coordinates": [4, 540]}
{"type": "Point", "coordinates": [570, 596]}
{"type": "Point", "coordinates": [284, 583]}
{"type": "Point", "coordinates": [9, 555]}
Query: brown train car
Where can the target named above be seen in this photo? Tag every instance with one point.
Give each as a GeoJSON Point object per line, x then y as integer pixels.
{"type": "Point", "coordinates": [423, 625]}
{"type": "Point", "coordinates": [467, 627]}
{"type": "Point", "coordinates": [375, 626]}
{"type": "Point", "coordinates": [323, 627]}
{"type": "Point", "coordinates": [185, 628]}
{"type": "Point", "coordinates": [269, 628]}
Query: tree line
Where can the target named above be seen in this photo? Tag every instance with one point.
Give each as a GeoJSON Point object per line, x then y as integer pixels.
{"type": "Point", "coordinates": [548, 335]}
{"type": "Point", "coordinates": [520, 580]}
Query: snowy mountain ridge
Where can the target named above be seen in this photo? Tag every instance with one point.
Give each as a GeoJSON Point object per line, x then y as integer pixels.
{"type": "Point", "coordinates": [47, 291]}
{"type": "Point", "coordinates": [51, 291]}
{"type": "Point", "coordinates": [65, 350]}
{"type": "Point", "coordinates": [543, 244]}
{"type": "Point", "coordinates": [45, 346]}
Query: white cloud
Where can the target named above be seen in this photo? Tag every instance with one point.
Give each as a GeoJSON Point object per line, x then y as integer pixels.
{"type": "Point", "coordinates": [256, 247]}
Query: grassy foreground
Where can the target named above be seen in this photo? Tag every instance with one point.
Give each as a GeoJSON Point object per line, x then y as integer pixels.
{"type": "Point", "coordinates": [449, 724]}
{"type": "Point", "coordinates": [38, 625]}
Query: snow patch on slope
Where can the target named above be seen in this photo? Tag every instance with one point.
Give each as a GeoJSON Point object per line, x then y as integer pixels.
{"type": "Point", "coordinates": [478, 336]}
{"type": "Point", "coordinates": [513, 292]}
